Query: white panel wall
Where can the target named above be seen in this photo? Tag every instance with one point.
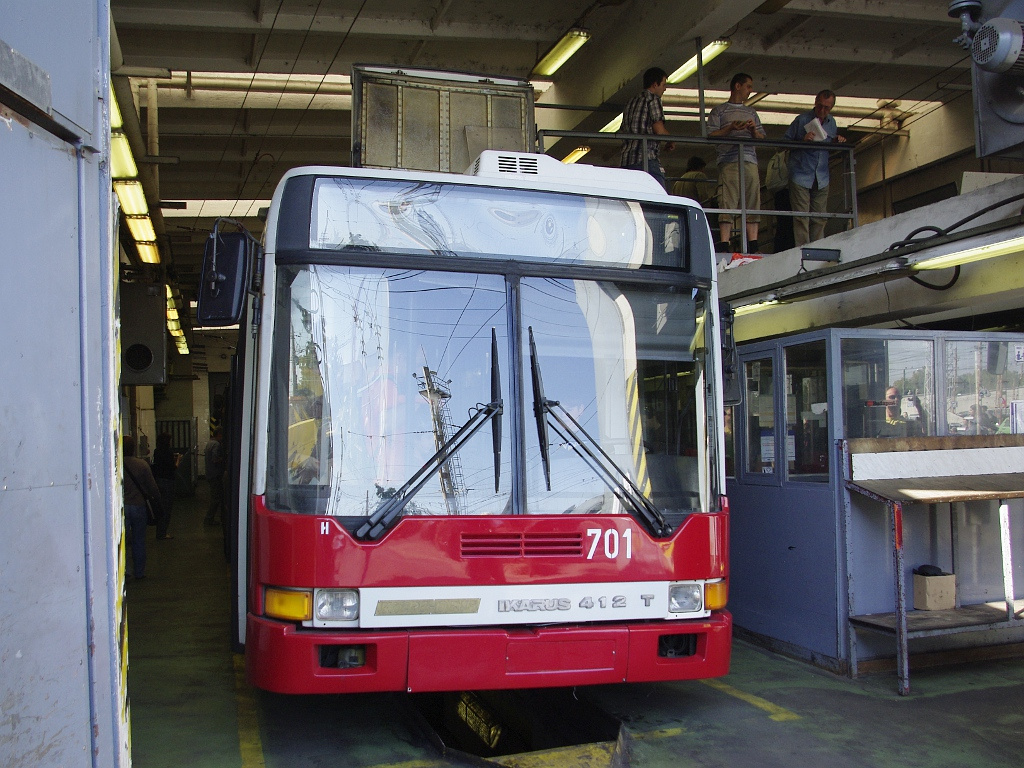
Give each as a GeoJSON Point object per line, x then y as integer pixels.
{"type": "Point", "coordinates": [62, 662]}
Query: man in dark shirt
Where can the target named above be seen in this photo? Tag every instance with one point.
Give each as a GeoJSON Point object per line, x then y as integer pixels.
{"type": "Point", "coordinates": [644, 115]}
{"type": "Point", "coordinates": [138, 485]}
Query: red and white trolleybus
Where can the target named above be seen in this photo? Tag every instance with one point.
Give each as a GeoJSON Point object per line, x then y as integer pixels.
{"type": "Point", "coordinates": [477, 433]}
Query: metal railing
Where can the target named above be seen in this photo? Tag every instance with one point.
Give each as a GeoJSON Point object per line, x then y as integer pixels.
{"type": "Point", "coordinates": [844, 151]}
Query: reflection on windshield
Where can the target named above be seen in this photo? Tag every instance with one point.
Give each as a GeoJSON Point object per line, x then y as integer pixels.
{"type": "Point", "coordinates": [389, 389]}
{"type": "Point", "coordinates": [381, 368]}
{"type": "Point", "coordinates": [626, 364]}
{"type": "Point", "coordinates": [455, 220]}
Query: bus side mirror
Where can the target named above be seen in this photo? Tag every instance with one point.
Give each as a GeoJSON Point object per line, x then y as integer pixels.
{"type": "Point", "coordinates": [732, 380]}
{"type": "Point", "coordinates": [227, 262]}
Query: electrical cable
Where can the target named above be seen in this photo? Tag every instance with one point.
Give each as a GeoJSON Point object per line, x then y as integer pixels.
{"type": "Point", "coordinates": [238, 116]}
{"type": "Point", "coordinates": [316, 91]}
{"type": "Point", "coordinates": [912, 239]}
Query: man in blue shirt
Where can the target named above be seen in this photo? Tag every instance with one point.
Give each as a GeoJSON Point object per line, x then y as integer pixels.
{"type": "Point", "coordinates": [645, 115]}
{"type": "Point", "coordinates": [808, 168]}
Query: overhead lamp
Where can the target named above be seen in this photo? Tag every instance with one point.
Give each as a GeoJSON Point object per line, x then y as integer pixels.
{"type": "Point", "coordinates": [561, 52]}
{"type": "Point", "coordinates": [115, 112]}
{"type": "Point", "coordinates": [575, 155]}
{"type": "Point", "coordinates": [708, 52]}
{"type": "Point", "coordinates": [613, 126]}
{"type": "Point", "coordinates": [172, 313]}
{"type": "Point", "coordinates": [173, 325]}
{"type": "Point", "coordinates": [133, 199]}
{"type": "Point", "coordinates": [141, 228]}
{"type": "Point", "coordinates": [148, 252]}
{"type": "Point", "coordinates": [746, 309]}
{"type": "Point", "coordinates": [182, 345]}
{"type": "Point", "coordinates": [122, 164]}
{"type": "Point", "coordinates": [1004, 248]}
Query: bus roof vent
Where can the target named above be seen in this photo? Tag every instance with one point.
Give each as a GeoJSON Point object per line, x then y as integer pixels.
{"type": "Point", "coordinates": [494, 164]}
{"type": "Point", "coordinates": [525, 165]}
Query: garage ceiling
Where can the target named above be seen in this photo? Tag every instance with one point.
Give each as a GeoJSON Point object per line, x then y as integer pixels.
{"type": "Point", "coordinates": [220, 134]}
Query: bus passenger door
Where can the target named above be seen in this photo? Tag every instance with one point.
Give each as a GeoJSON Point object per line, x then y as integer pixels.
{"type": "Point", "coordinates": [241, 411]}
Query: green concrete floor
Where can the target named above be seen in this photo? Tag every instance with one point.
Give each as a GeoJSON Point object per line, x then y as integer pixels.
{"type": "Point", "coordinates": [190, 705]}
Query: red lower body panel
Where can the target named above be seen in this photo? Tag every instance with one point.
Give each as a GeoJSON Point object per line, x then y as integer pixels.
{"type": "Point", "coordinates": [281, 658]}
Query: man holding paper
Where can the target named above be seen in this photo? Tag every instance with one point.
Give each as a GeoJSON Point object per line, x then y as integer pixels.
{"type": "Point", "coordinates": [808, 168]}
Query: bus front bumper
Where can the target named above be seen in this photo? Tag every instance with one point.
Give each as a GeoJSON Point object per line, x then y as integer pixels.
{"type": "Point", "coordinates": [283, 658]}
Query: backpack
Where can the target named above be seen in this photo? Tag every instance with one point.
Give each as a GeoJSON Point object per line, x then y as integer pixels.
{"type": "Point", "coordinates": [776, 177]}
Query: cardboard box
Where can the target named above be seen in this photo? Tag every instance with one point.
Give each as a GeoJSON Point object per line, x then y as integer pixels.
{"type": "Point", "coordinates": [934, 593]}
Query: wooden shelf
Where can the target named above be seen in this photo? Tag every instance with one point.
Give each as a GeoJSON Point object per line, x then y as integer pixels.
{"type": "Point", "coordinates": [969, 618]}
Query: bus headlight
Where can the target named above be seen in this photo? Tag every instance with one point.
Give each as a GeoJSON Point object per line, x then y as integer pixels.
{"type": "Point", "coordinates": [685, 598]}
{"type": "Point", "coordinates": [337, 604]}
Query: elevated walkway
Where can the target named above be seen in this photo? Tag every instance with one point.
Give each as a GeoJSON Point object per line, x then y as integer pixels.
{"type": "Point", "coordinates": [795, 291]}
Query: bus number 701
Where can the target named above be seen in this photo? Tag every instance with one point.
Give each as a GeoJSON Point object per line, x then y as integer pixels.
{"type": "Point", "coordinates": [611, 542]}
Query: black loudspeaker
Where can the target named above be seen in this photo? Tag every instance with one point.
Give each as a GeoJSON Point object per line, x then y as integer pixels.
{"type": "Point", "coordinates": [143, 334]}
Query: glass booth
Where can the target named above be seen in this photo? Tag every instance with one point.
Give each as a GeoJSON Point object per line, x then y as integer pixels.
{"type": "Point", "coordinates": [806, 555]}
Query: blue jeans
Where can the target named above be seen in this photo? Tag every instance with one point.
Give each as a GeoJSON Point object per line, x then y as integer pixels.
{"type": "Point", "coordinates": [136, 517]}
{"type": "Point", "coordinates": [654, 168]}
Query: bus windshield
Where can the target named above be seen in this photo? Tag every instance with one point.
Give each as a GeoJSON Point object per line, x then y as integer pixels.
{"type": "Point", "coordinates": [431, 219]}
{"type": "Point", "coordinates": [377, 371]}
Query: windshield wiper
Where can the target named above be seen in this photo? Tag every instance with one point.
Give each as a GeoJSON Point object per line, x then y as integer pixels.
{"type": "Point", "coordinates": [390, 509]}
{"type": "Point", "coordinates": [540, 411]}
{"type": "Point", "coordinates": [551, 412]}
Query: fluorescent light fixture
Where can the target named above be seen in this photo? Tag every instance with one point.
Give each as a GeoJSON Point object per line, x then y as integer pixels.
{"type": "Point", "coordinates": [172, 313]}
{"type": "Point", "coordinates": [148, 252]}
{"type": "Point", "coordinates": [212, 209]}
{"type": "Point", "coordinates": [115, 112]}
{"type": "Point", "coordinates": [133, 199]}
{"type": "Point", "coordinates": [613, 126]}
{"type": "Point", "coordinates": [182, 345]}
{"type": "Point", "coordinates": [122, 164]}
{"type": "Point", "coordinates": [746, 309]}
{"type": "Point", "coordinates": [173, 325]}
{"type": "Point", "coordinates": [708, 52]}
{"type": "Point", "coordinates": [576, 154]}
{"type": "Point", "coordinates": [141, 228]}
{"type": "Point", "coordinates": [561, 52]}
{"type": "Point", "coordinates": [1004, 248]}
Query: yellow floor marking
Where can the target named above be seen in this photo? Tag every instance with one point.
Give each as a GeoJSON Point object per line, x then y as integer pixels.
{"type": "Point", "coordinates": [774, 711]}
{"type": "Point", "coordinates": [250, 746]}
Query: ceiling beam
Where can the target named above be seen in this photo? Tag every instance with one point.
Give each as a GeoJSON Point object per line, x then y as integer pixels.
{"type": "Point", "coordinates": [917, 11]}
{"type": "Point", "coordinates": [878, 52]}
{"type": "Point", "coordinates": [171, 18]}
